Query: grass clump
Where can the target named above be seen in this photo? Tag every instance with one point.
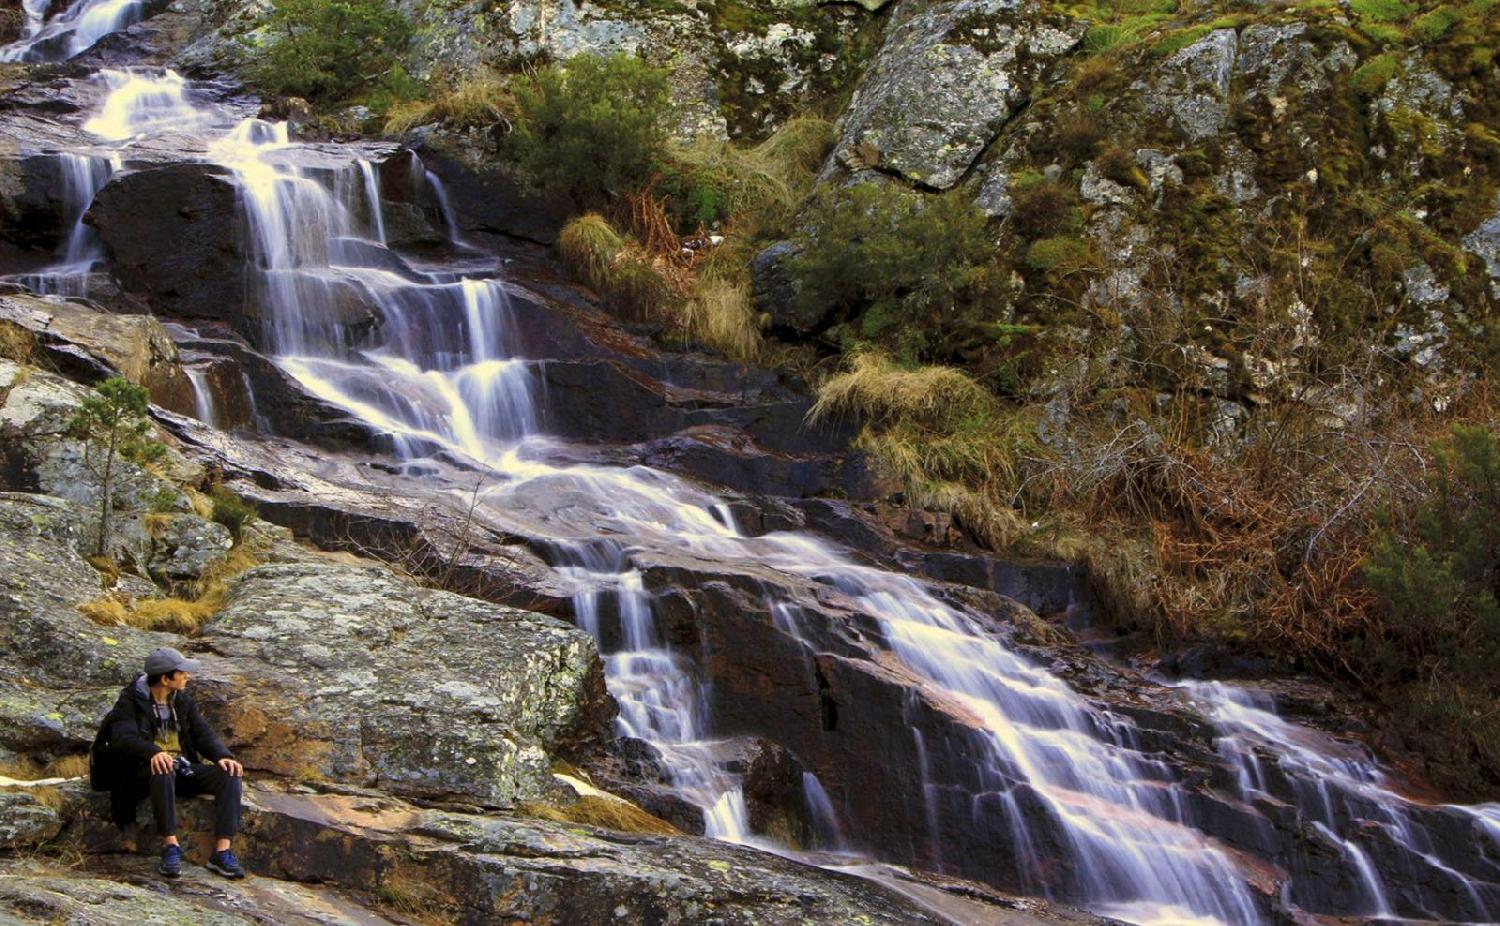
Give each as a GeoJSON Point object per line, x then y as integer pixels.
{"type": "Point", "coordinates": [1434, 24]}
{"type": "Point", "coordinates": [18, 344]}
{"type": "Point", "coordinates": [757, 188]}
{"type": "Point", "coordinates": [185, 615]}
{"type": "Point", "coordinates": [1372, 76]}
{"type": "Point", "coordinates": [328, 49]}
{"type": "Point", "coordinates": [480, 101]}
{"type": "Point", "coordinates": [721, 314]}
{"type": "Point", "coordinates": [1385, 11]}
{"type": "Point", "coordinates": [592, 129]}
{"type": "Point", "coordinates": [618, 267]}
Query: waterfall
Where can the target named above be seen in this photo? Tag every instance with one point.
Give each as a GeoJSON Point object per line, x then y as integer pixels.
{"type": "Point", "coordinates": [203, 397]}
{"type": "Point", "coordinates": [71, 32]}
{"type": "Point", "coordinates": [80, 177]}
{"type": "Point", "coordinates": [434, 362]}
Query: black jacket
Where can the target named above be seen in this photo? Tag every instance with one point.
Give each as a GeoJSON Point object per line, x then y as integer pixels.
{"type": "Point", "coordinates": [126, 742]}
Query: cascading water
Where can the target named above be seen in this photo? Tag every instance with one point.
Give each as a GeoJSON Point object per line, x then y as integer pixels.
{"type": "Point", "coordinates": [1332, 785]}
{"type": "Point", "coordinates": [81, 176]}
{"type": "Point", "coordinates": [72, 31]}
{"type": "Point", "coordinates": [430, 360]}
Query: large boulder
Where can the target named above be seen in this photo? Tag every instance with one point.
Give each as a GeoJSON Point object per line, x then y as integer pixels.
{"type": "Point", "coordinates": [417, 691]}
{"type": "Point", "coordinates": [948, 77]}
{"type": "Point", "coordinates": [37, 455]}
{"type": "Point", "coordinates": [137, 347]}
{"type": "Point", "coordinates": [59, 671]}
{"type": "Point", "coordinates": [174, 236]}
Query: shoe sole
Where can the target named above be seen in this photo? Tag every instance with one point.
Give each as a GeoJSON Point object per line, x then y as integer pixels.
{"type": "Point", "coordinates": [224, 872]}
{"type": "Point", "coordinates": [169, 874]}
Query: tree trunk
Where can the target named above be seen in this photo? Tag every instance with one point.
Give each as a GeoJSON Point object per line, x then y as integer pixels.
{"type": "Point", "coordinates": [107, 490]}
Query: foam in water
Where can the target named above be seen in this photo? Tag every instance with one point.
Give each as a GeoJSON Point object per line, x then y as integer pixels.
{"type": "Point", "coordinates": [446, 375]}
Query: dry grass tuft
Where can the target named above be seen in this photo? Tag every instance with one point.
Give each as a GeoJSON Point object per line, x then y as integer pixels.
{"type": "Point", "coordinates": [175, 614]}
{"type": "Point", "coordinates": [606, 812]}
{"type": "Point", "coordinates": [18, 344]}
{"type": "Point", "coordinates": [621, 270]}
{"type": "Point", "coordinates": [479, 101]}
{"type": "Point", "coordinates": [764, 184]}
{"type": "Point", "coordinates": [721, 315]}
{"type": "Point", "coordinates": [879, 390]}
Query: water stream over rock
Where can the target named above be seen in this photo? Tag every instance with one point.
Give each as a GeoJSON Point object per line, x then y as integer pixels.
{"type": "Point", "coordinates": [1014, 777]}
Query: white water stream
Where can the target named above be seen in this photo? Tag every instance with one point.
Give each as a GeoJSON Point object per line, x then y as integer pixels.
{"type": "Point", "coordinates": [445, 375]}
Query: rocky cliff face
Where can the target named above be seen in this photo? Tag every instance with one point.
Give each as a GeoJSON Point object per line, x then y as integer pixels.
{"type": "Point", "coordinates": [405, 740]}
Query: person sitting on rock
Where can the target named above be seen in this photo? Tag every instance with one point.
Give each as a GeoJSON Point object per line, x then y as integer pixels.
{"type": "Point", "coordinates": [154, 741]}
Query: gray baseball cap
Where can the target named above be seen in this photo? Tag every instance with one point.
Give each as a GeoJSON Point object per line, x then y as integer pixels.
{"type": "Point", "coordinates": [167, 659]}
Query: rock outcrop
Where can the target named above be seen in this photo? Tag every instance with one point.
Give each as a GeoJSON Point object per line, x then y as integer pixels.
{"type": "Point", "coordinates": [418, 692]}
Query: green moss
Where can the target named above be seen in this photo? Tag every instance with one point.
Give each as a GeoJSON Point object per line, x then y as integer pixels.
{"type": "Point", "coordinates": [1382, 33]}
{"type": "Point", "coordinates": [1433, 25]}
{"type": "Point", "coordinates": [1179, 39]}
{"type": "Point", "coordinates": [1372, 76]}
{"type": "Point", "coordinates": [1387, 11]}
{"type": "Point", "coordinates": [1057, 254]}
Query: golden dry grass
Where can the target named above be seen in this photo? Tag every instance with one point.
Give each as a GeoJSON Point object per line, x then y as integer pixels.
{"type": "Point", "coordinates": [174, 614]}
{"type": "Point", "coordinates": [17, 344]}
{"type": "Point", "coordinates": [481, 100]}
{"type": "Point", "coordinates": [721, 315]}
{"type": "Point", "coordinates": [606, 812]}
{"type": "Point", "coordinates": [765, 183]}
{"type": "Point", "coordinates": [877, 389]}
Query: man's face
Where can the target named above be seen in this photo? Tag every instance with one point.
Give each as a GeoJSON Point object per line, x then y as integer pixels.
{"type": "Point", "coordinates": [177, 681]}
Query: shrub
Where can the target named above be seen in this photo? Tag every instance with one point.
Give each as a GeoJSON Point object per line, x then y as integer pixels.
{"type": "Point", "coordinates": [1041, 209]}
{"type": "Point", "coordinates": [879, 248]}
{"type": "Point", "coordinates": [1436, 575]}
{"type": "Point", "coordinates": [330, 48]}
{"type": "Point", "coordinates": [592, 128]}
{"type": "Point", "coordinates": [164, 501]}
{"type": "Point", "coordinates": [115, 426]}
{"type": "Point", "coordinates": [231, 510]}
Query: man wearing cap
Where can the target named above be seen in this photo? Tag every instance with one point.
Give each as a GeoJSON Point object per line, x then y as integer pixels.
{"type": "Point", "coordinates": [155, 742]}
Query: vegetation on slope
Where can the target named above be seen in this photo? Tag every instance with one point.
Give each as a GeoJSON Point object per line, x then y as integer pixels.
{"type": "Point", "coordinates": [1214, 433]}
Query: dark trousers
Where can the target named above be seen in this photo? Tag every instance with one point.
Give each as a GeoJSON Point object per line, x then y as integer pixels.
{"type": "Point", "coordinates": [197, 778]}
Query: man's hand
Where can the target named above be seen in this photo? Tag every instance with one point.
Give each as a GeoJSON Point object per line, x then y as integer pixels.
{"type": "Point", "coordinates": [161, 763]}
{"type": "Point", "coordinates": [234, 769]}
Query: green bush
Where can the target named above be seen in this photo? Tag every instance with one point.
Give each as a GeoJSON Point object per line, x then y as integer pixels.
{"type": "Point", "coordinates": [893, 256]}
{"type": "Point", "coordinates": [331, 48]}
{"type": "Point", "coordinates": [231, 510]}
{"type": "Point", "coordinates": [592, 128]}
{"type": "Point", "coordinates": [1436, 574]}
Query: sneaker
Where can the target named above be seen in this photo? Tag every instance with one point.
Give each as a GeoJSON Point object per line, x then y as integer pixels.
{"type": "Point", "coordinates": [224, 863]}
{"type": "Point", "coordinates": [171, 861]}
